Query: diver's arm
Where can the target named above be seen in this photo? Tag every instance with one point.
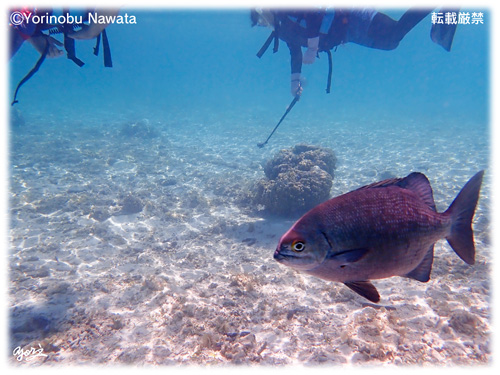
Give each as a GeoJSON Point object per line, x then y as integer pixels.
{"type": "Point", "coordinates": [40, 42]}
{"type": "Point", "coordinates": [296, 67]}
{"type": "Point", "coordinates": [312, 50]}
{"type": "Point", "coordinates": [295, 57]}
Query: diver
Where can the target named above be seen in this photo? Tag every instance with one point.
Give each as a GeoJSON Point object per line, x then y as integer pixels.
{"type": "Point", "coordinates": [34, 33]}
{"type": "Point", "coordinates": [321, 30]}
{"type": "Point", "coordinates": [39, 35]}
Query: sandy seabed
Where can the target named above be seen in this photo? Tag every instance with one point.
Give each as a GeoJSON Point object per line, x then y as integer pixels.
{"type": "Point", "coordinates": [132, 242]}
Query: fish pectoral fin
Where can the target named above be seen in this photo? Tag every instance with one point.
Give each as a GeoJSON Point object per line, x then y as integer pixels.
{"type": "Point", "coordinates": [423, 271]}
{"type": "Point", "coordinates": [365, 289]}
{"type": "Point", "coordinates": [348, 256]}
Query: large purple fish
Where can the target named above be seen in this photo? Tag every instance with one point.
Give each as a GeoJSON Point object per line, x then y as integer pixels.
{"type": "Point", "coordinates": [381, 230]}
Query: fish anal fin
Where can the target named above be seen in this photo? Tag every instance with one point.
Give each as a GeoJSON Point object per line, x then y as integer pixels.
{"type": "Point", "coordinates": [365, 289]}
{"type": "Point", "coordinates": [349, 256]}
{"type": "Point", "coordinates": [423, 271]}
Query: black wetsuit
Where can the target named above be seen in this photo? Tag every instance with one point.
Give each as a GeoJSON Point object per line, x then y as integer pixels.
{"type": "Point", "coordinates": [366, 27]}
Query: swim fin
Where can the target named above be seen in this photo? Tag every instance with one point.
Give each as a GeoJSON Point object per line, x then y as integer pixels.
{"type": "Point", "coordinates": [443, 34]}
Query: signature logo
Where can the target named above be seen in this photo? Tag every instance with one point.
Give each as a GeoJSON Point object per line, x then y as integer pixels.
{"type": "Point", "coordinates": [28, 354]}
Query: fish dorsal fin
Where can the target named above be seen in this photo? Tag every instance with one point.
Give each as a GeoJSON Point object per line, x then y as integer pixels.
{"type": "Point", "coordinates": [416, 182]}
{"type": "Point", "coordinates": [383, 183]}
{"type": "Point", "coordinates": [420, 185]}
{"type": "Point", "coordinates": [365, 289]}
{"type": "Point", "coordinates": [423, 271]}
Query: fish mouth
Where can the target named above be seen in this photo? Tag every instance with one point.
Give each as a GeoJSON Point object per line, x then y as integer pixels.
{"type": "Point", "coordinates": [288, 258]}
{"type": "Point", "coordinates": [279, 256]}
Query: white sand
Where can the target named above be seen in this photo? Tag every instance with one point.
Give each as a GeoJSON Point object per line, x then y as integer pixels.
{"type": "Point", "coordinates": [191, 279]}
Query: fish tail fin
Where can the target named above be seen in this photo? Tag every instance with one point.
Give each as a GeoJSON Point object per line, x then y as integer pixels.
{"type": "Point", "coordinates": [461, 237]}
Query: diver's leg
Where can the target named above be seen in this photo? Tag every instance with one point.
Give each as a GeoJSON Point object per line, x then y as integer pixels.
{"type": "Point", "coordinates": [15, 41]}
{"type": "Point", "coordinates": [382, 32]}
{"type": "Point", "coordinates": [409, 20]}
{"type": "Point", "coordinates": [386, 33]}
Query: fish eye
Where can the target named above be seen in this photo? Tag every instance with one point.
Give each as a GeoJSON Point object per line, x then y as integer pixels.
{"type": "Point", "coordinates": [298, 246]}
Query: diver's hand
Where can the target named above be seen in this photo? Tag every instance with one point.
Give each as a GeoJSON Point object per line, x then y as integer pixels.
{"type": "Point", "coordinates": [40, 42]}
{"type": "Point", "coordinates": [312, 50]}
{"type": "Point", "coordinates": [295, 84]}
{"type": "Point", "coordinates": [309, 56]}
{"type": "Point", "coordinates": [94, 29]}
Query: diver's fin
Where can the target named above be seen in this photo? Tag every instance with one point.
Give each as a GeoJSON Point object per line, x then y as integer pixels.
{"type": "Point", "coordinates": [443, 34]}
{"type": "Point", "coordinates": [423, 271]}
{"type": "Point", "coordinates": [348, 256]}
{"type": "Point", "coordinates": [461, 238]}
{"type": "Point", "coordinates": [365, 289]}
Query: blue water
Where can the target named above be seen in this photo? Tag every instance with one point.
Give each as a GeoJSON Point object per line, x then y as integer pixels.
{"type": "Point", "coordinates": [205, 61]}
{"type": "Point", "coordinates": [133, 235]}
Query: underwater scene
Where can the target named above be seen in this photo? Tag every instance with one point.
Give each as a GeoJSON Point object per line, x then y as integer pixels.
{"type": "Point", "coordinates": [159, 211]}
